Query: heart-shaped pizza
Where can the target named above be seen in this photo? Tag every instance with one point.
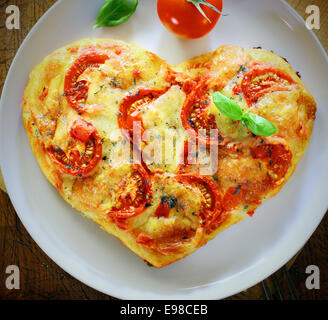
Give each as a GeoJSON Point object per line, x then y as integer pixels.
{"type": "Point", "coordinates": [143, 148]}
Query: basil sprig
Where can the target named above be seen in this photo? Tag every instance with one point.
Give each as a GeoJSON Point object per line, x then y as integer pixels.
{"type": "Point", "coordinates": [258, 125]}
{"type": "Point", "coordinates": [115, 12]}
{"type": "Point", "coordinates": [255, 123]}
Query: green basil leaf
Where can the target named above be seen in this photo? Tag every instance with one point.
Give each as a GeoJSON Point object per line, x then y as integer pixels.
{"type": "Point", "coordinates": [115, 12]}
{"type": "Point", "coordinates": [227, 106]}
{"type": "Point", "coordinates": [258, 125]}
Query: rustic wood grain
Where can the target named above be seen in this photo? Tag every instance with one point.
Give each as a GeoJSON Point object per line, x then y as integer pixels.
{"type": "Point", "coordinates": [41, 278]}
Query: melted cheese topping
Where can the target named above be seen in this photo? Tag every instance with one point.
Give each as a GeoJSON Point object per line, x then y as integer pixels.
{"type": "Point", "coordinates": [166, 135]}
{"type": "Point", "coordinates": [244, 170]}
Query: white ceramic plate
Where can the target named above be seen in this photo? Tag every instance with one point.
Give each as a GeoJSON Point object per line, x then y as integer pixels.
{"type": "Point", "coordinates": [240, 256]}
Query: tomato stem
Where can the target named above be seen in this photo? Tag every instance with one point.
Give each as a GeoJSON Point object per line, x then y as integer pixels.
{"type": "Point", "coordinates": [197, 4]}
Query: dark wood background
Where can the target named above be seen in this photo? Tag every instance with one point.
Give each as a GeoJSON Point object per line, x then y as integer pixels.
{"type": "Point", "coordinates": [41, 278]}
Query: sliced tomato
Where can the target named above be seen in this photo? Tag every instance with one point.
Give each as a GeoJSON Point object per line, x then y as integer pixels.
{"type": "Point", "coordinates": [190, 157]}
{"type": "Point", "coordinates": [145, 240]}
{"type": "Point", "coordinates": [186, 155]}
{"type": "Point", "coordinates": [84, 153]}
{"type": "Point", "coordinates": [77, 91]}
{"type": "Point", "coordinates": [122, 223]}
{"type": "Point", "coordinates": [233, 197]}
{"type": "Point", "coordinates": [171, 240]}
{"type": "Point", "coordinates": [135, 192]}
{"type": "Point", "coordinates": [211, 209]}
{"type": "Point", "coordinates": [163, 209]}
{"type": "Point", "coordinates": [130, 111]}
{"type": "Point", "coordinates": [82, 130]}
{"type": "Point", "coordinates": [195, 116]}
{"type": "Point", "coordinates": [277, 157]}
{"type": "Point", "coordinates": [261, 80]}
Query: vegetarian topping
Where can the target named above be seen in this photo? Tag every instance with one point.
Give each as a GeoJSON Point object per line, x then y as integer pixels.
{"type": "Point", "coordinates": [189, 18]}
{"type": "Point", "coordinates": [211, 210]}
{"type": "Point", "coordinates": [83, 154]}
{"type": "Point", "coordinates": [167, 203]}
{"type": "Point", "coordinates": [195, 116]}
{"type": "Point", "coordinates": [169, 236]}
{"type": "Point", "coordinates": [76, 90]}
{"type": "Point", "coordinates": [234, 196]}
{"type": "Point", "coordinates": [130, 112]}
{"type": "Point", "coordinates": [115, 12]}
{"type": "Point", "coordinates": [144, 240]}
{"type": "Point", "coordinates": [277, 157]}
{"type": "Point", "coordinates": [135, 192]}
{"type": "Point", "coordinates": [255, 123]}
{"type": "Point", "coordinates": [261, 80]}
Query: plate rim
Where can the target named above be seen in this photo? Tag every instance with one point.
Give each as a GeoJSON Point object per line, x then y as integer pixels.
{"type": "Point", "coordinates": [122, 292]}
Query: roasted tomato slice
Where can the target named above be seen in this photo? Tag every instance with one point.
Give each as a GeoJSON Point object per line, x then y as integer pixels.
{"type": "Point", "coordinates": [131, 108]}
{"type": "Point", "coordinates": [163, 209]}
{"type": "Point", "coordinates": [277, 157]}
{"type": "Point", "coordinates": [195, 116]}
{"type": "Point", "coordinates": [190, 157]}
{"type": "Point", "coordinates": [261, 80]}
{"type": "Point", "coordinates": [233, 197]}
{"type": "Point", "coordinates": [168, 234]}
{"type": "Point", "coordinates": [145, 240]}
{"type": "Point", "coordinates": [134, 196]}
{"type": "Point", "coordinates": [211, 207]}
{"type": "Point", "coordinates": [77, 91]}
{"type": "Point", "coordinates": [85, 150]}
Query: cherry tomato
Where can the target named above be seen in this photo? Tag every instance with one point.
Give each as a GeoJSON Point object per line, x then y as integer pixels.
{"type": "Point", "coordinates": [183, 18]}
{"type": "Point", "coordinates": [195, 116]}
{"type": "Point", "coordinates": [84, 153]}
{"type": "Point", "coordinates": [261, 80]}
{"type": "Point", "coordinates": [77, 91]}
{"type": "Point", "coordinates": [135, 193]}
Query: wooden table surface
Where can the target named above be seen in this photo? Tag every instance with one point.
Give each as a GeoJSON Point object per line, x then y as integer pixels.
{"type": "Point", "coordinates": [41, 278]}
